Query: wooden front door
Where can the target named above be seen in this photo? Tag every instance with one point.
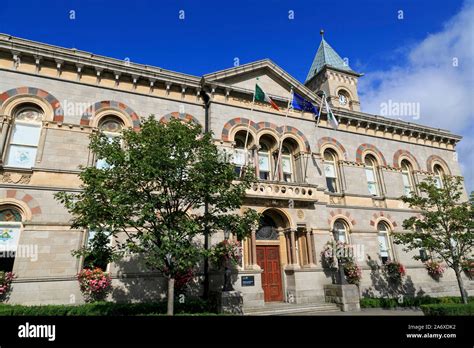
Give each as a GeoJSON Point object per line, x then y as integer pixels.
{"type": "Point", "coordinates": [268, 258]}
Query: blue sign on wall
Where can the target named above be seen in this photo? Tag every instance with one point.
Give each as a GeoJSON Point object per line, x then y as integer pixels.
{"type": "Point", "coordinates": [248, 281]}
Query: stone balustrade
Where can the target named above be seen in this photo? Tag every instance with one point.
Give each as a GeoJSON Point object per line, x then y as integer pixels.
{"type": "Point", "coordinates": [283, 190]}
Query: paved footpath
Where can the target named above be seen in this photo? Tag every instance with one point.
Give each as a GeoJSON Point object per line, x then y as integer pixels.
{"type": "Point", "coordinates": [370, 311]}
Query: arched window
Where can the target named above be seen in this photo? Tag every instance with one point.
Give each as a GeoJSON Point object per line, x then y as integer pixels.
{"type": "Point", "coordinates": [341, 229]}
{"type": "Point", "coordinates": [111, 127]}
{"type": "Point", "coordinates": [438, 175]}
{"type": "Point", "coordinates": [407, 176]}
{"type": "Point", "coordinates": [10, 226]}
{"type": "Point", "coordinates": [267, 229]}
{"type": "Point", "coordinates": [287, 164]}
{"type": "Point", "coordinates": [385, 245]}
{"type": "Point", "coordinates": [371, 175]}
{"type": "Point", "coordinates": [331, 170]}
{"type": "Point", "coordinates": [266, 164]}
{"type": "Point", "coordinates": [240, 155]}
{"type": "Point", "coordinates": [25, 136]}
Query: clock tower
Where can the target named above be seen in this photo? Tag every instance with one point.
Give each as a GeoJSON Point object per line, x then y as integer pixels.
{"type": "Point", "coordinates": [332, 75]}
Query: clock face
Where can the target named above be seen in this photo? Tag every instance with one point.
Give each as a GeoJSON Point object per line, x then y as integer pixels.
{"type": "Point", "coordinates": [342, 99]}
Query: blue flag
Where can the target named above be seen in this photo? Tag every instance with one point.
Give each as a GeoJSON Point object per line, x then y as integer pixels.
{"type": "Point", "coordinates": [299, 103]}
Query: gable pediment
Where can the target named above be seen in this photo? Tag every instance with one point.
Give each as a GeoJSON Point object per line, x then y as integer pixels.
{"type": "Point", "coordinates": [270, 77]}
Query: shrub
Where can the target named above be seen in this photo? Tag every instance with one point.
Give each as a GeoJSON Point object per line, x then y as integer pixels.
{"type": "Point", "coordinates": [448, 309]}
{"type": "Point", "coordinates": [372, 302]}
{"type": "Point", "coordinates": [94, 284]}
{"type": "Point", "coordinates": [191, 306]}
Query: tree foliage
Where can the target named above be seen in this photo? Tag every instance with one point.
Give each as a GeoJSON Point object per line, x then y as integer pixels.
{"type": "Point", "coordinates": [444, 226]}
{"type": "Point", "coordinates": [153, 192]}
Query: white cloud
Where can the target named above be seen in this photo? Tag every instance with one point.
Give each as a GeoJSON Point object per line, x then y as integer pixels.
{"type": "Point", "coordinates": [438, 74]}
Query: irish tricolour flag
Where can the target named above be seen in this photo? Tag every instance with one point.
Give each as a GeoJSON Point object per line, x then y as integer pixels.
{"type": "Point", "coordinates": [331, 119]}
{"type": "Point", "coordinates": [261, 96]}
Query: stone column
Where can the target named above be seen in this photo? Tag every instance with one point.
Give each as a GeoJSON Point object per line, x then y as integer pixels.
{"type": "Point", "coordinates": [4, 130]}
{"type": "Point", "coordinates": [254, 250]}
{"type": "Point", "coordinates": [309, 247]}
{"type": "Point", "coordinates": [294, 260]}
{"type": "Point", "coordinates": [288, 248]}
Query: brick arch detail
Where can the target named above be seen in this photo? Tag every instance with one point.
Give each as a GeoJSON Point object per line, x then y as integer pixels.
{"type": "Point", "coordinates": [328, 140]}
{"type": "Point", "coordinates": [238, 121]}
{"type": "Point", "coordinates": [180, 116]}
{"type": "Point", "coordinates": [296, 132]}
{"type": "Point", "coordinates": [339, 213]}
{"type": "Point", "coordinates": [26, 198]}
{"type": "Point", "coordinates": [373, 148]}
{"type": "Point", "coordinates": [40, 93]}
{"type": "Point", "coordinates": [93, 109]}
{"type": "Point", "coordinates": [404, 153]}
{"type": "Point", "coordinates": [435, 158]}
{"type": "Point", "coordinates": [381, 214]}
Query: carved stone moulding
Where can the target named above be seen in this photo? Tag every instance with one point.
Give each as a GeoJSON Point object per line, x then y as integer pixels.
{"type": "Point", "coordinates": [10, 177]}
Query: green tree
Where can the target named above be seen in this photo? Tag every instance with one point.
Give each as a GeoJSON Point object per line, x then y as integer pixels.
{"type": "Point", "coordinates": [152, 194]}
{"type": "Point", "coordinates": [444, 227]}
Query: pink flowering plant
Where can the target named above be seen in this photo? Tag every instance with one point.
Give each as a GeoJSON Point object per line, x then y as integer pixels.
{"type": "Point", "coordinates": [95, 284]}
{"type": "Point", "coordinates": [227, 250]}
{"type": "Point", "coordinates": [394, 270]}
{"type": "Point", "coordinates": [467, 266]}
{"type": "Point", "coordinates": [353, 272]}
{"type": "Point", "coordinates": [6, 279]}
{"type": "Point", "coordinates": [434, 268]}
{"type": "Point", "coordinates": [336, 250]}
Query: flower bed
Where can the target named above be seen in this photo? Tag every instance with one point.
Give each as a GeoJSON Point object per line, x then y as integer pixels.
{"type": "Point", "coordinates": [94, 284]}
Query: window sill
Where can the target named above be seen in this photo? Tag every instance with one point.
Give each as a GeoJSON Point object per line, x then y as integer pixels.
{"type": "Point", "coordinates": [17, 169]}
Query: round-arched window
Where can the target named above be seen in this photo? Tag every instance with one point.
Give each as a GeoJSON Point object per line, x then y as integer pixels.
{"type": "Point", "coordinates": [385, 245]}
{"type": "Point", "coordinates": [25, 135]}
{"type": "Point", "coordinates": [331, 170]}
{"type": "Point", "coordinates": [340, 227]}
{"type": "Point", "coordinates": [10, 226]}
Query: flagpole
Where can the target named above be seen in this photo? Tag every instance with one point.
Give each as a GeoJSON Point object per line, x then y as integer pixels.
{"type": "Point", "coordinates": [323, 98]}
{"type": "Point", "coordinates": [281, 142]}
{"type": "Point", "coordinates": [248, 131]}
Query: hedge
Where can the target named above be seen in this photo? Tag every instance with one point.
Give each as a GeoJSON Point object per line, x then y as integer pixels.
{"type": "Point", "coordinates": [191, 306]}
{"type": "Point", "coordinates": [448, 309]}
{"type": "Point", "coordinates": [372, 302]}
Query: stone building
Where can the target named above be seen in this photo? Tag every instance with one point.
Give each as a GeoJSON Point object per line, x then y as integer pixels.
{"type": "Point", "coordinates": [345, 180]}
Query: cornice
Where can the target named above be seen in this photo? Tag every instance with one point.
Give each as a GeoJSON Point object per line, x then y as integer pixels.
{"type": "Point", "coordinates": [83, 59]}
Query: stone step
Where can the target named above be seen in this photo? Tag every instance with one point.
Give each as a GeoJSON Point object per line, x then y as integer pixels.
{"type": "Point", "coordinates": [286, 308]}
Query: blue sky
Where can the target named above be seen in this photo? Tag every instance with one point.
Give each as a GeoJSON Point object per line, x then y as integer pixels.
{"type": "Point", "coordinates": [405, 59]}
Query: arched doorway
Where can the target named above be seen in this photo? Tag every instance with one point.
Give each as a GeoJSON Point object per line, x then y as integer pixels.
{"type": "Point", "coordinates": [268, 250]}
